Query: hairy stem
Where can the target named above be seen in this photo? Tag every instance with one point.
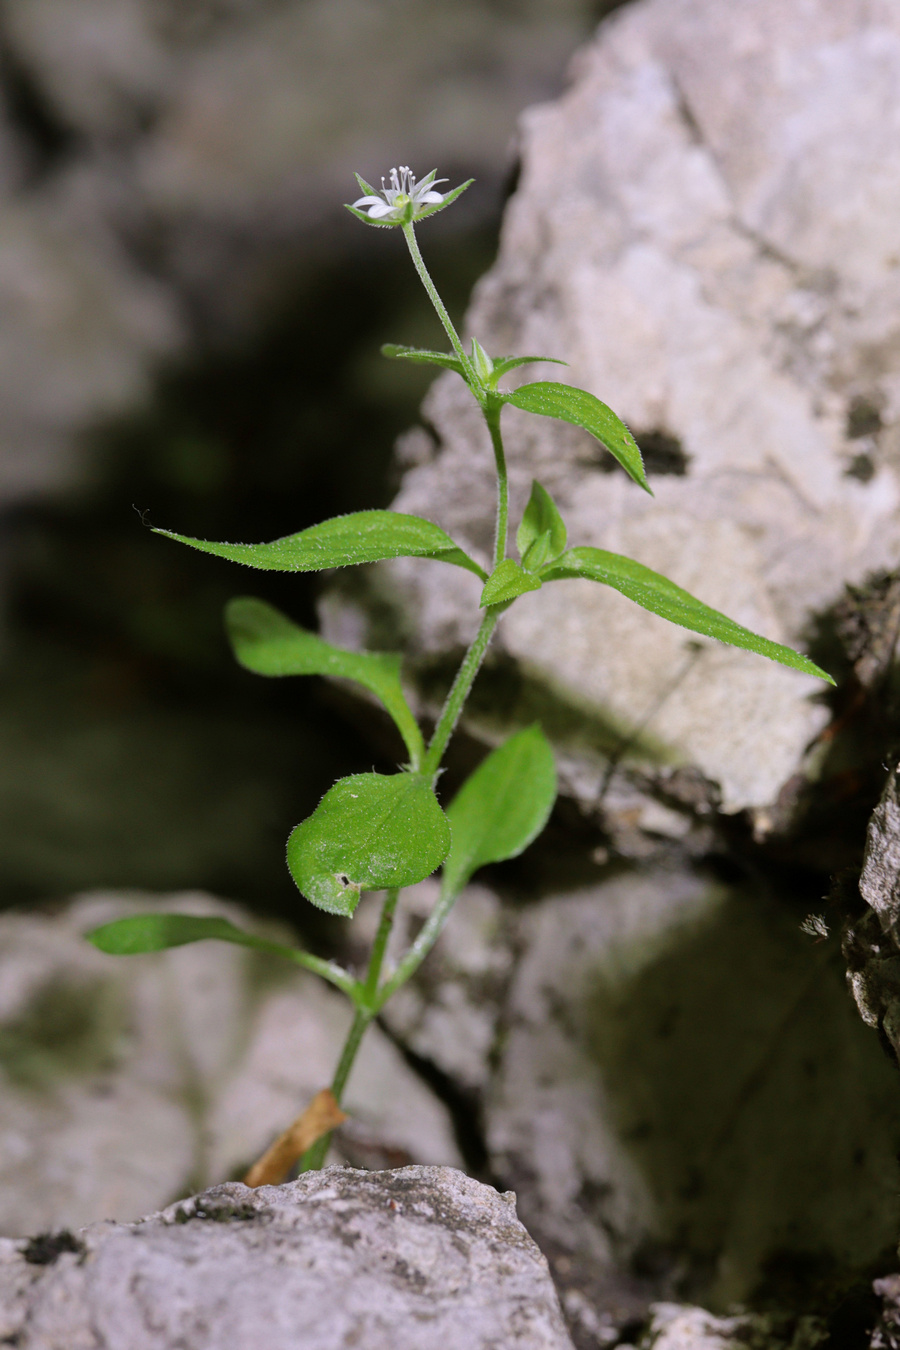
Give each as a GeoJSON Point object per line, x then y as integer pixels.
{"type": "Point", "coordinates": [428, 936]}
{"type": "Point", "coordinates": [315, 1156]}
{"type": "Point", "coordinates": [459, 690]}
{"type": "Point", "coordinates": [409, 235]}
{"type": "Point", "coordinates": [492, 417]}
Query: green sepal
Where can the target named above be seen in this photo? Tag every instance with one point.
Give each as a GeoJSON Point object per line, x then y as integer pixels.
{"type": "Point", "coordinates": [376, 224]}
{"type": "Point", "coordinates": [343, 541]}
{"type": "Point", "coordinates": [420, 356]}
{"type": "Point", "coordinates": [369, 832]}
{"type": "Point", "coordinates": [506, 582]}
{"type": "Point", "coordinates": [367, 189]}
{"type": "Point", "coordinates": [449, 199]}
{"type": "Point", "coordinates": [501, 807]}
{"type": "Point", "coordinates": [660, 596]}
{"type": "Point", "coordinates": [584, 410]}
{"type": "Point", "coordinates": [541, 518]}
{"type": "Point", "coordinates": [267, 642]}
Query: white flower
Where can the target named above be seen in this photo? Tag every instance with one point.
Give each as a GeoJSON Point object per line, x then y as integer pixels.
{"type": "Point", "coordinates": [393, 204]}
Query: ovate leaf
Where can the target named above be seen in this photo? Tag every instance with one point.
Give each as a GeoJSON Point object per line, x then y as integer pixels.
{"type": "Point", "coordinates": [369, 832]}
{"type": "Point", "coordinates": [363, 537]}
{"type": "Point", "coordinates": [541, 518]}
{"type": "Point", "coordinates": [268, 643]}
{"type": "Point", "coordinates": [506, 582]}
{"type": "Point", "coordinates": [584, 410]}
{"type": "Point", "coordinates": [501, 807]}
{"type": "Point", "coordinates": [420, 356]}
{"type": "Point", "coordinates": [652, 591]}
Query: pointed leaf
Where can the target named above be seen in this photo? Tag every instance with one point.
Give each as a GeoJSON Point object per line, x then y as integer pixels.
{"type": "Point", "coordinates": [538, 552]}
{"type": "Point", "coordinates": [501, 807]}
{"type": "Point", "coordinates": [449, 199]}
{"type": "Point", "coordinates": [268, 643]}
{"type": "Point", "coordinates": [363, 537]}
{"type": "Point", "coordinates": [584, 410]}
{"type": "Point", "coordinates": [506, 582]}
{"type": "Point", "coordinates": [421, 356]}
{"type": "Point", "coordinates": [541, 517]}
{"type": "Point", "coordinates": [369, 832]}
{"type": "Point", "coordinates": [652, 591]}
{"type": "Point", "coordinates": [506, 363]}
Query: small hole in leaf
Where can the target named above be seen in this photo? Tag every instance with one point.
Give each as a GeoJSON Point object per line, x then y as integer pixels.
{"type": "Point", "coordinates": [343, 879]}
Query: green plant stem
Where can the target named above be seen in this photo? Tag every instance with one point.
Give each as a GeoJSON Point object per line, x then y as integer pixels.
{"type": "Point", "coordinates": [459, 690]}
{"type": "Point", "coordinates": [379, 947]}
{"type": "Point", "coordinates": [428, 936]}
{"type": "Point", "coordinates": [492, 417]}
{"type": "Point", "coordinates": [409, 235]}
{"type": "Point", "coordinates": [366, 1007]}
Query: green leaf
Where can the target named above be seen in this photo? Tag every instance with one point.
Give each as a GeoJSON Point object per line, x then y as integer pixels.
{"type": "Point", "coordinates": [507, 363]}
{"type": "Point", "coordinates": [265, 641]}
{"type": "Point", "coordinates": [363, 537]}
{"type": "Point", "coordinates": [482, 363]}
{"type": "Point", "coordinates": [506, 582]}
{"type": "Point", "coordinates": [369, 832]}
{"type": "Point", "coordinates": [541, 518]}
{"type": "Point", "coordinates": [449, 199]}
{"type": "Point", "coordinates": [501, 807]}
{"type": "Point", "coordinates": [584, 410]}
{"type": "Point", "coordinates": [156, 932]}
{"type": "Point", "coordinates": [661, 596]}
{"type": "Point", "coordinates": [421, 356]}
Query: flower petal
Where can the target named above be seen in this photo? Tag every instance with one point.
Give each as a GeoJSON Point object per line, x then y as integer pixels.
{"type": "Point", "coordinates": [380, 209]}
{"type": "Point", "coordinates": [431, 197]}
{"type": "Point", "coordinates": [368, 201]}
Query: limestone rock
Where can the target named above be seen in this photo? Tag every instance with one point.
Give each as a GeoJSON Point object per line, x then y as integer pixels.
{"type": "Point", "coordinates": [129, 1081]}
{"type": "Point", "coordinates": [671, 1056]}
{"type": "Point", "coordinates": [676, 1327]}
{"type": "Point", "coordinates": [422, 1258]}
{"type": "Point", "coordinates": [705, 229]}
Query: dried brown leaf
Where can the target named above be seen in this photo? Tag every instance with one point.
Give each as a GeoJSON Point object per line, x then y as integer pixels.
{"type": "Point", "coordinates": [322, 1114]}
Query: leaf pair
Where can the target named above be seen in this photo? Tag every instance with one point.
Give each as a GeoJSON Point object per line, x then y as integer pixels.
{"type": "Point", "coordinates": [373, 831]}
{"type": "Point", "coordinates": [546, 398]}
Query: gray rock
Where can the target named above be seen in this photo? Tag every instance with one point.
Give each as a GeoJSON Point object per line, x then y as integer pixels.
{"type": "Point", "coordinates": [422, 1258]}
{"type": "Point", "coordinates": [703, 230]}
{"type": "Point", "coordinates": [129, 1081]}
{"type": "Point", "coordinates": [671, 1053]}
{"type": "Point", "coordinates": [677, 1327]}
{"type": "Point", "coordinates": [871, 941]}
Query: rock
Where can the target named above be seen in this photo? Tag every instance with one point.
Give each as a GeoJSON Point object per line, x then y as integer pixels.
{"type": "Point", "coordinates": [886, 1335]}
{"type": "Point", "coordinates": [130, 1081]}
{"type": "Point", "coordinates": [422, 1258]}
{"type": "Point", "coordinates": [871, 943]}
{"type": "Point", "coordinates": [703, 229]}
{"type": "Point", "coordinates": [676, 1327]}
{"type": "Point", "coordinates": [671, 1054]}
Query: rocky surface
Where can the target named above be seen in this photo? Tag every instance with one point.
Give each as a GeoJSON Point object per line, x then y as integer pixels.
{"type": "Point", "coordinates": [130, 1081]}
{"type": "Point", "coordinates": [664, 1098]}
{"type": "Point", "coordinates": [704, 229]}
{"type": "Point", "coordinates": [422, 1258]}
{"type": "Point", "coordinates": [677, 1327]}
